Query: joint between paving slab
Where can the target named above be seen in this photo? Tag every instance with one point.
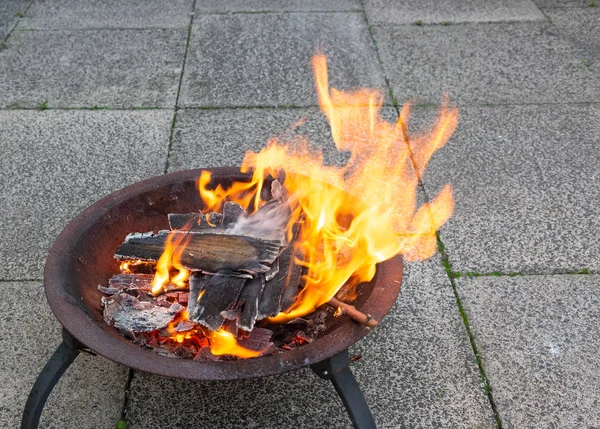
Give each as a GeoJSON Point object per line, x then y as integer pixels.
{"type": "Point", "coordinates": [43, 106]}
{"type": "Point", "coordinates": [279, 12]}
{"type": "Point", "coordinates": [473, 274]}
{"type": "Point", "coordinates": [20, 280]}
{"type": "Point", "coordinates": [176, 108]}
{"type": "Point", "coordinates": [48, 30]}
{"type": "Point", "coordinates": [23, 14]}
{"type": "Point", "coordinates": [387, 82]}
{"type": "Point", "coordinates": [122, 421]}
{"type": "Point", "coordinates": [419, 23]}
{"type": "Point", "coordinates": [463, 314]}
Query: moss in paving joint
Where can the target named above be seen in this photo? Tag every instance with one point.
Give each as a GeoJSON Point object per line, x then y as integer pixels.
{"type": "Point", "coordinates": [447, 23]}
{"type": "Point", "coordinates": [3, 46]}
{"type": "Point", "coordinates": [593, 3]}
{"type": "Point", "coordinates": [43, 105]}
{"type": "Point", "coordinates": [463, 314]}
{"type": "Point", "coordinates": [20, 14]}
{"type": "Point", "coordinates": [418, 22]}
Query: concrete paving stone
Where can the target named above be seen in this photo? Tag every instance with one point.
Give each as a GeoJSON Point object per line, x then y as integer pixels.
{"type": "Point", "coordinates": [417, 370]}
{"type": "Point", "coordinates": [217, 6]}
{"type": "Point", "coordinates": [116, 68]}
{"type": "Point", "coordinates": [382, 12]}
{"type": "Point", "coordinates": [89, 395]}
{"type": "Point", "coordinates": [538, 339]}
{"type": "Point", "coordinates": [580, 26]}
{"type": "Point", "coordinates": [9, 10]}
{"type": "Point", "coordinates": [526, 186]}
{"type": "Point", "coordinates": [264, 59]}
{"type": "Point", "coordinates": [56, 163]}
{"type": "Point", "coordinates": [484, 63]}
{"type": "Point", "coordinates": [72, 14]}
{"type": "Point", "coordinates": [221, 137]}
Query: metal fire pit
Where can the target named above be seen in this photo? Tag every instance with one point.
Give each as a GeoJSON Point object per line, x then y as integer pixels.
{"type": "Point", "coordinates": [82, 258]}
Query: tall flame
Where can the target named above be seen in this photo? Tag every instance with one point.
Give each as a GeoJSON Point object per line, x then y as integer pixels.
{"type": "Point", "coordinates": [171, 259]}
{"type": "Point", "coordinates": [353, 216]}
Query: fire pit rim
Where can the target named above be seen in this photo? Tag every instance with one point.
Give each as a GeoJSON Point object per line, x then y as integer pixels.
{"type": "Point", "coordinates": [86, 330]}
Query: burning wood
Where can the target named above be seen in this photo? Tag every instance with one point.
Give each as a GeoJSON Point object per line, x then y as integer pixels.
{"type": "Point", "coordinates": [266, 255]}
{"type": "Point", "coordinates": [207, 252]}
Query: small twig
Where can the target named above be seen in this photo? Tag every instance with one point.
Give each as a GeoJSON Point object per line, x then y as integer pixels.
{"type": "Point", "coordinates": [349, 310]}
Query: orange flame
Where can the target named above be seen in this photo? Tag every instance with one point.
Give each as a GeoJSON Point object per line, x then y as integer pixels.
{"type": "Point", "coordinates": [366, 211]}
{"type": "Point", "coordinates": [224, 343]}
{"type": "Point", "coordinates": [354, 216]}
{"type": "Point", "coordinates": [171, 258]}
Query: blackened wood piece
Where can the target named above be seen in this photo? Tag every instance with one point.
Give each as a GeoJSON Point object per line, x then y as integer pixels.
{"type": "Point", "coordinates": [271, 300]}
{"type": "Point", "coordinates": [231, 213]}
{"type": "Point", "coordinates": [131, 281]}
{"type": "Point", "coordinates": [195, 221]}
{"type": "Point", "coordinates": [259, 339]}
{"type": "Point", "coordinates": [207, 252]}
{"type": "Point", "coordinates": [292, 285]}
{"type": "Point", "coordinates": [245, 310]}
{"type": "Point", "coordinates": [217, 294]}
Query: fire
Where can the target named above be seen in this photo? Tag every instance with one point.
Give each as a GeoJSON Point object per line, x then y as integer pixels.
{"type": "Point", "coordinates": [357, 215]}
{"type": "Point", "coordinates": [224, 343]}
{"type": "Point", "coordinates": [353, 216]}
{"type": "Point", "coordinates": [170, 259]}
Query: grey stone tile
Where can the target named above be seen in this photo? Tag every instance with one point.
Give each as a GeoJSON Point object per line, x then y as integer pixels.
{"type": "Point", "coordinates": [8, 15]}
{"type": "Point", "coordinates": [217, 6]}
{"type": "Point", "coordinates": [526, 187]}
{"type": "Point", "coordinates": [56, 163]}
{"type": "Point", "coordinates": [116, 68]}
{"type": "Point", "coordinates": [210, 138]}
{"type": "Point", "coordinates": [417, 370]}
{"type": "Point", "coordinates": [264, 59]}
{"type": "Point", "coordinates": [431, 11]}
{"type": "Point", "coordinates": [485, 63]}
{"type": "Point", "coordinates": [72, 14]}
{"type": "Point", "coordinates": [580, 26]}
{"type": "Point", "coordinates": [538, 339]}
{"type": "Point", "coordinates": [89, 395]}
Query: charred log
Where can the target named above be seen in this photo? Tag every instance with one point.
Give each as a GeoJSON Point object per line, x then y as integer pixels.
{"type": "Point", "coordinates": [245, 311]}
{"type": "Point", "coordinates": [216, 294]}
{"type": "Point", "coordinates": [205, 252]}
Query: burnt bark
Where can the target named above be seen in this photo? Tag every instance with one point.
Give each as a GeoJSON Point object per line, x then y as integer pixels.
{"type": "Point", "coordinates": [245, 311]}
{"type": "Point", "coordinates": [216, 294]}
{"type": "Point", "coordinates": [205, 252]}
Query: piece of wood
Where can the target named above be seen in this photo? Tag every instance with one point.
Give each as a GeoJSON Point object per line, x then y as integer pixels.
{"type": "Point", "coordinates": [205, 252]}
{"type": "Point", "coordinates": [231, 213]}
{"type": "Point", "coordinates": [258, 340]}
{"type": "Point", "coordinates": [351, 311]}
{"type": "Point", "coordinates": [195, 221]}
{"type": "Point", "coordinates": [292, 284]}
{"type": "Point", "coordinates": [131, 281]}
{"type": "Point", "coordinates": [216, 293]}
{"type": "Point", "coordinates": [245, 310]}
{"type": "Point", "coordinates": [128, 314]}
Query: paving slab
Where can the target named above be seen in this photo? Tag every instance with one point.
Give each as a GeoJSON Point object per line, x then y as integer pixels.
{"type": "Point", "coordinates": [89, 395]}
{"type": "Point", "coordinates": [72, 14]}
{"type": "Point", "coordinates": [264, 59]}
{"type": "Point", "coordinates": [217, 6]}
{"type": "Point", "coordinates": [538, 339]}
{"type": "Point", "coordinates": [56, 163]}
{"type": "Point", "coordinates": [221, 137]}
{"type": "Point", "coordinates": [382, 12]}
{"type": "Point", "coordinates": [417, 370]}
{"type": "Point", "coordinates": [484, 63]}
{"type": "Point", "coordinates": [9, 15]}
{"type": "Point", "coordinates": [526, 186]}
{"type": "Point", "coordinates": [580, 26]}
{"type": "Point", "coordinates": [116, 68]}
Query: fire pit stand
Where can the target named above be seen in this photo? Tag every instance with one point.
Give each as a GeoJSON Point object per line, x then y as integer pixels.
{"type": "Point", "coordinates": [335, 368]}
{"type": "Point", "coordinates": [82, 257]}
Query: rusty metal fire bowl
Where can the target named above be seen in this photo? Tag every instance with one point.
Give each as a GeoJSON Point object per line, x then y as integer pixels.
{"type": "Point", "coordinates": [82, 258]}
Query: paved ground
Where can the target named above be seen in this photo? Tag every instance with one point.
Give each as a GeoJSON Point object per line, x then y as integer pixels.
{"type": "Point", "coordinates": [500, 328]}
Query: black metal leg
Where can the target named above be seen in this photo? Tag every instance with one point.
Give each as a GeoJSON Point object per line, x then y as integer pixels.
{"type": "Point", "coordinates": [336, 369]}
{"type": "Point", "coordinates": [64, 356]}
